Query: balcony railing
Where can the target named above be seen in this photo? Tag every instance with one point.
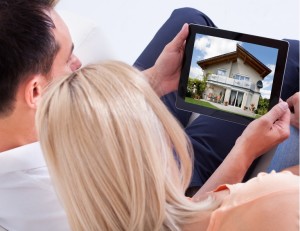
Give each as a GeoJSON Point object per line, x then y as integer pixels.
{"type": "Point", "coordinates": [230, 81]}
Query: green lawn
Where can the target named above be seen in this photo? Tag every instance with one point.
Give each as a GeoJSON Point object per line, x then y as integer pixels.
{"type": "Point", "coordinates": [199, 102]}
{"type": "Point", "coordinates": [207, 104]}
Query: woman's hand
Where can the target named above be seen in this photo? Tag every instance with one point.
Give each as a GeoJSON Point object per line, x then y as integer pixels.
{"type": "Point", "coordinates": [164, 75]}
{"type": "Point", "coordinates": [266, 132]}
{"type": "Point", "coordinates": [260, 135]}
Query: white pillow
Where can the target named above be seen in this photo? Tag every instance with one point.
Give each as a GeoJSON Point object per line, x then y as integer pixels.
{"type": "Point", "coordinates": [91, 44]}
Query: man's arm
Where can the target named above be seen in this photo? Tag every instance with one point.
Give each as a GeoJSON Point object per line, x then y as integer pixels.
{"type": "Point", "coordinates": [293, 103]}
{"type": "Point", "coordinates": [164, 75]}
{"type": "Point", "coordinates": [258, 137]}
{"type": "Point", "coordinates": [293, 169]}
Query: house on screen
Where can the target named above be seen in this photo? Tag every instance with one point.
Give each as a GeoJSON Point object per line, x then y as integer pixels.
{"type": "Point", "coordinates": [234, 79]}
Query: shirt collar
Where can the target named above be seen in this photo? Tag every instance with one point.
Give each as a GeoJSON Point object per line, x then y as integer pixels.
{"type": "Point", "coordinates": [22, 158]}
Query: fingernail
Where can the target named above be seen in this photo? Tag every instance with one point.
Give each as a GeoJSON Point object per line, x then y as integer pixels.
{"type": "Point", "coordinates": [284, 106]}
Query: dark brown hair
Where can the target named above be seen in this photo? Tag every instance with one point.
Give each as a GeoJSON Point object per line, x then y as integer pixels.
{"type": "Point", "coordinates": [27, 45]}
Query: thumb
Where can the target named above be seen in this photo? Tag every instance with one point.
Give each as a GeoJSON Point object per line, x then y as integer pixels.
{"type": "Point", "coordinates": [180, 38]}
{"type": "Point", "coordinates": [278, 111]}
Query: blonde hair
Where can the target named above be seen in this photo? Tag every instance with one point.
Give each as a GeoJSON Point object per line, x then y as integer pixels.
{"type": "Point", "coordinates": [118, 158]}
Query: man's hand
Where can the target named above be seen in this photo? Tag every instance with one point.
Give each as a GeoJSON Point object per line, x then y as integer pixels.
{"type": "Point", "coordinates": [164, 75]}
{"type": "Point", "coordinates": [293, 103]}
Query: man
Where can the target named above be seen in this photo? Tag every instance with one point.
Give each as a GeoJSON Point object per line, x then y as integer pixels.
{"type": "Point", "coordinates": [36, 47]}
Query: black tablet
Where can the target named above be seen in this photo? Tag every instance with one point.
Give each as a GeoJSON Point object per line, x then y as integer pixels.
{"type": "Point", "coordinates": [230, 75]}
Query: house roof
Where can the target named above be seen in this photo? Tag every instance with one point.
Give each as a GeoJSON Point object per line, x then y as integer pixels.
{"type": "Point", "coordinates": [241, 53]}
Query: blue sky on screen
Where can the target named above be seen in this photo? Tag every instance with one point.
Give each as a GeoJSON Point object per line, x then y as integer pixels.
{"type": "Point", "coordinates": [208, 46]}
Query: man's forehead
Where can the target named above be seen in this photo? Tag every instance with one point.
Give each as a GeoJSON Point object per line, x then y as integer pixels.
{"type": "Point", "coordinates": [58, 21]}
{"type": "Point", "coordinates": [61, 30]}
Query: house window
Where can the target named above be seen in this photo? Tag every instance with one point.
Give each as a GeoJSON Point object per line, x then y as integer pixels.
{"type": "Point", "coordinates": [241, 77]}
{"type": "Point", "coordinates": [236, 98]}
{"type": "Point", "coordinates": [221, 72]}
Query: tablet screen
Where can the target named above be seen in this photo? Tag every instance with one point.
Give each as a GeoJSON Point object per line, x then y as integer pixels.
{"type": "Point", "coordinates": [230, 75]}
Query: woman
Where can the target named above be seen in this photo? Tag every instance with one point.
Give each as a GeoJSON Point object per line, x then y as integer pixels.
{"type": "Point", "coordinates": [120, 161]}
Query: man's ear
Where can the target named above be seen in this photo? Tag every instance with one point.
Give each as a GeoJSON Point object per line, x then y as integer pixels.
{"type": "Point", "coordinates": [33, 90]}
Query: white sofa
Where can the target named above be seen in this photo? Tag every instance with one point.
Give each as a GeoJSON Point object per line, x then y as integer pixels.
{"type": "Point", "coordinates": [90, 42]}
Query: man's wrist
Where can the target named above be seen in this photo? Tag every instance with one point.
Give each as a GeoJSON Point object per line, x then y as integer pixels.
{"type": "Point", "coordinates": [153, 79]}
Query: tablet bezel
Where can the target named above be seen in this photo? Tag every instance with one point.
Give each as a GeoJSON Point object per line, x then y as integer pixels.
{"type": "Point", "coordinates": [194, 29]}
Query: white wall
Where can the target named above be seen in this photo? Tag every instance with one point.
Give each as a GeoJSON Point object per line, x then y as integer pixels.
{"type": "Point", "coordinates": [129, 25]}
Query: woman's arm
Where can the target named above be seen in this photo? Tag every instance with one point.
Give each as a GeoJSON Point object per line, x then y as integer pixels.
{"type": "Point", "coordinates": [260, 135]}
